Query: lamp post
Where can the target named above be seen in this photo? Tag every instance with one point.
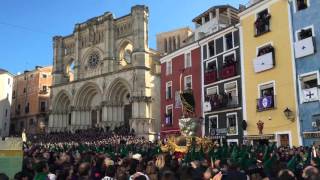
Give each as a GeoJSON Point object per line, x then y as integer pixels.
{"type": "Point", "coordinates": [289, 114]}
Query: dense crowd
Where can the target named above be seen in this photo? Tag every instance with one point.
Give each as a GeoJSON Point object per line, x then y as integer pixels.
{"type": "Point", "coordinates": [104, 155]}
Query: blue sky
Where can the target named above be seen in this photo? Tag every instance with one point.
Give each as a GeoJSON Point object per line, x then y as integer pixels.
{"type": "Point", "coordinates": [27, 26]}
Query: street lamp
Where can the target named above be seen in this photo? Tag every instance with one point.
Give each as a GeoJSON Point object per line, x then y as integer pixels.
{"type": "Point", "coordinates": [288, 113]}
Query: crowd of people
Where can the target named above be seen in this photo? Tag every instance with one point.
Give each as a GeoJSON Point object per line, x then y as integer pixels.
{"type": "Point", "coordinates": [94, 154]}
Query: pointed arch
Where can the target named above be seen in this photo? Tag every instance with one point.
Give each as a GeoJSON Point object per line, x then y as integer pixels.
{"type": "Point", "coordinates": [124, 44]}
{"type": "Point", "coordinates": [118, 91]}
{"type": "Point", "coordinates": [62, 101]}
{"type": "Point", "coordinates": [87, 94]}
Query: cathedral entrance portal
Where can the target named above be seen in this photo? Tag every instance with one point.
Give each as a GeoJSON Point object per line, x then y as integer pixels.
{"type": "Point", "coordinates": [120, 106]}
{"type": "Point", "coordinates": [93, 118]}
{"type": "Point", "coordinates": [127, 111]}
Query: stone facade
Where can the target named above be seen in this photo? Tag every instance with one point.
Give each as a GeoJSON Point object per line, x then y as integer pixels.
{"type": "Point", "coordinates": [30, 100]}
{"type": "Point", "coordinates": [105, 75]}
{"type": "Point", "coordinates": [6, 81]}
{"type": "Point", "coordinates": [168, 42]}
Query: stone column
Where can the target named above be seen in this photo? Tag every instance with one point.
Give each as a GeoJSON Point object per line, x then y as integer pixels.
{"type": "Point", "coordinates": [218, 15]}
{"type": "Point", "coordinates": [229, 15]}
{"type": "Point", "coordinates": [88, 119]}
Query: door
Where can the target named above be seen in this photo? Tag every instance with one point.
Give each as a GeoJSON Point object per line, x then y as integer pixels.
{"type": "Point", "coordinates": [127, 114]}
{"type": "Point", "coordinates": [284, 139]}
{"type": "Point", "coordinates": [93, 118]}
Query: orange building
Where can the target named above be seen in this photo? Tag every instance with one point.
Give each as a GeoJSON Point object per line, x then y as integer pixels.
{"type": "Point", "coordinates": [30, 100]}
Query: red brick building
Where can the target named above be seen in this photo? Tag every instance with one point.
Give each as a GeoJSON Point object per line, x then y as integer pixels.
{"type": "Point", "coordinates": [30, 100]}
{"type": "Point", "coordinates": [180, 71]}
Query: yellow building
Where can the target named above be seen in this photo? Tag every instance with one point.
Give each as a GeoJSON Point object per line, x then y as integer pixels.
{"type": "Point", "coordinates": [268, 73]}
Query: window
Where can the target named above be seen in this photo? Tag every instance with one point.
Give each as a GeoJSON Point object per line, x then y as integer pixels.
{"type": "Point", "coordinates": [27, 108]}
{"type": "Point", "coordinates": [44, 75]}
{"type": "Point", "coordinates": [31, 122]}
{"type": "Point", "coordinates": [262, 24]}
{"type": "Point", "coordinates": [219, 45]}
{"type": "Point", "coordinates": [265, 49]}
{"type": "Point", "coordinates": [232, 126]}
{"type": "Point", "coordinates": [168, 116]}
{"type": "Point", "coordinates": [213, 90]}
{"type": "Point", "coordinates": [169, 90]}
{"type": "Point", "coordinates": [24, 90]}
{"type": "Point", "coordinates": [187, 60]}
{"type": "Point", "coordinates": [204, 52]}
{"type": "Point", "coordinates": [21, 124]}
{"type": "Point", "coordinates": [267, 90]}
{"type": "Point", "coordinates": [301, 4]}
{"type": "Point", "coordinates": [206, 18]}
{"type": "Point", "coordinates": [266, 99]}
{"type": "Point", "coordinates": [211, 48]}
{"type": "Point", "coordinates": [213, 124]}
{"type": "Point", "coordinates": [304, 33]}
{"type": "Point", "coordinates": [228, 41]}
{"type": "Point", "coordinates": [169, 67]}
{"type": "Point", "coordinates": [229, 59]}
{"type": "Point", "coordinates": [211, 66]}
{"type": "Point", "coordinates": [44, 88]}
{"type": "Point", "coordinates": [13, 94]}
{"type": "Point", "coordinates": [231, 91]}
{"type": "Point", "coordinates": [310, 84]}
{"type": "Point", "coordinates": [6, 114]}
{"type": "Point", "coordinates": [188, 82]}
{"type": "Point", "coordinates": [8, 81]}
{"type": "Point", "coordinates": [42, 106]}
{"type": "Point", "coordinates": [165, 45]}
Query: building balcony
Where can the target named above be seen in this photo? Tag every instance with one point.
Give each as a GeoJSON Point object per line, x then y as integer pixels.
{"type": "Point", "coordinates": [43, 92]}
{"type": "Point", "coordinates": [266, 103]}
{"type": "Point", "coordinates": [304, 47]}
{"type": "Point", "coordinates": [311, 94]}
{"type": "Point", "coordinates": [228, 71]}
{"type": "Point", "coordinates": [210, 77]}
{"type": "Point", "coordinates": [264, 62]}
{"type": "Point", "coordinates": [221, 101]}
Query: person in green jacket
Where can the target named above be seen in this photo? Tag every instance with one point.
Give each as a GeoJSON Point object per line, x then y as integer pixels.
{"type": "Point", "coordinates": [42, 170]}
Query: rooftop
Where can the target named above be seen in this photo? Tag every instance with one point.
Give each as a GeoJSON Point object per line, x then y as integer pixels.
{"type": "Point", "coordinates": [214, 8]}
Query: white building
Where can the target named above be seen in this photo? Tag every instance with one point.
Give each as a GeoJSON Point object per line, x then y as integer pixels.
{"type": "Point", "coordinates": [6, 81]}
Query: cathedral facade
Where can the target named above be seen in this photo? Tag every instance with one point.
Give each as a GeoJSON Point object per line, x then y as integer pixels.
{"type": "Point", "coordinates": [105, 75]}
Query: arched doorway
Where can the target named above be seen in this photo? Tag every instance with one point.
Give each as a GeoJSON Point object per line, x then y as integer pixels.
{"type": "Point", "coordinates": [61, 112]}
{"type": "Point", "coordinates": [119, 105]}
{"type": "Point", "coordinates": [88, 101]}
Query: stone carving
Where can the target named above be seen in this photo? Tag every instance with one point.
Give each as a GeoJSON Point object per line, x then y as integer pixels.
{"type": "Point", "coordinates": [140, 99]}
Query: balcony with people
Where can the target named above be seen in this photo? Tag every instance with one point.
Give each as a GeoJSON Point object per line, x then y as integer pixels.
{"type": "Point", "coordinates": [310, 89]}
{"type": "Point", "coordinates": [211, 75]}
{"type": "Point", "coordinates": [305, 44]}
{"type": "Point", "coordinates": [266, 100]}
{"type": "Point", "coordinates": [262, 23]}
{"type": "Point", "coordinates": [220, 101]}
{"type": "Point", "coordinates": [265, 59]}
{"type": "Point", "coordinates": [168, 121]}
{"type": "Point", "coordinates": [229, 68]}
